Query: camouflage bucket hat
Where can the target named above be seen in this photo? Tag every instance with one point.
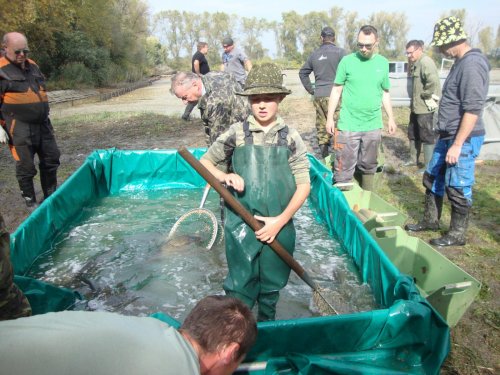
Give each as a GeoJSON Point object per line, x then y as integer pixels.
{"type": "Point", "coordinates": [447, 31]}
{"type": "Point", "coordinates": [264, 79]}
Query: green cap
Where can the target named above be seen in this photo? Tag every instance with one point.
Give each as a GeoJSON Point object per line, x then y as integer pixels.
{"type": "Point", "coordinates": [447, 31]}
{"type": "Point", "coordinates": [264, 79]}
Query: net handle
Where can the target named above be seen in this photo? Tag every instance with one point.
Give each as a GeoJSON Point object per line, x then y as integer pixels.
{"type": "Point", "coordinates": [205, 195]}
{"type": "Point", "coordinates": [245, 215]}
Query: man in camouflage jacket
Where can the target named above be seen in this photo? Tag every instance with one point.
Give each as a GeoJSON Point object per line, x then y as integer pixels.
{"type": "Point", "coordinates": [217, 100]}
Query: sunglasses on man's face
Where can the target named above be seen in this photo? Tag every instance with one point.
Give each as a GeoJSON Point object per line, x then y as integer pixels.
{"type": "Point", "coordinates": [409, 53]}
{"type": "Point", "coordinates": [23, 51]}
{"type": "Point", "coordinates": [367, 46]}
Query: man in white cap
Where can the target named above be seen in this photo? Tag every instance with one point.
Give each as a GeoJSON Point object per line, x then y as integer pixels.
{"type": "Point", "coordinates": [461, 134]}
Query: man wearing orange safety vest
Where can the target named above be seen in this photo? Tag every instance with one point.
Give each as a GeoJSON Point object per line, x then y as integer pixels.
{"type": "Point", "coordinates": [24, 115]}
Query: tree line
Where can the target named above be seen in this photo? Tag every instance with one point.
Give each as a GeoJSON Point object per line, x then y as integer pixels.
{"type": "Point", "coordinates": [83, 42]}
{"type": "Point", "coordinates": [92, 43]}
{"type": "Point", "coordinates": [296, 35]}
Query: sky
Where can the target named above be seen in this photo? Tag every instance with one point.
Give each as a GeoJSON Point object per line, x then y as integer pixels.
{"type": "Point", "coordinates": [422, 14]}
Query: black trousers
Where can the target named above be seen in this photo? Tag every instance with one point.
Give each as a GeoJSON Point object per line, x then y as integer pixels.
{"type": "Point", "coordinates": [28, 139]}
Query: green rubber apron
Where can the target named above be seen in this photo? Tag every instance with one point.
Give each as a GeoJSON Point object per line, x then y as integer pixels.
{"type": "Point", "coordinates": [256, 273]}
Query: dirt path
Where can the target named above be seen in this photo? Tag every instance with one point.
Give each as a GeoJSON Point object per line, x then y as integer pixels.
{"type": "Point", "coordinates": [155, 98]}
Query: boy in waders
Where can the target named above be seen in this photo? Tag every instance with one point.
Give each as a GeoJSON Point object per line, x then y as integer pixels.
{"type": "Point", "coordinates": [264, 163]}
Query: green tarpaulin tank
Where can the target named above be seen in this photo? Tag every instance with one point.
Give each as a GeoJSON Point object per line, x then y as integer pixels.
{"type": "Point", "coordinates": [406, 335]}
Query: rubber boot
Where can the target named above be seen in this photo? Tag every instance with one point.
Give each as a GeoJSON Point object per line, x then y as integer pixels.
{"type": "Point", "coordinates": [458, 226]}
{"type": "Point", "coordinates": [428, 151]}
{"type": "Point", "coordinates": [28, 194]}
{"type": "Point", "coordinates": [49, 183]}
{"type": "Point", "coordinates": [357, 176]}
{"type": "Point", "coordinates": [418, 151]}
{"type": "Point", "coordinates": [413, 155]}
{"type": "Point", "coordinates": [324, 151]}
{"type": "Point", "coordinates": [267, 306]}
{"type": "Point", "coordinates": [30, 202]}
{"type": "Point", "coordinates": [432, 214]}
{"type": "Point", "coordinates": [367, 181]}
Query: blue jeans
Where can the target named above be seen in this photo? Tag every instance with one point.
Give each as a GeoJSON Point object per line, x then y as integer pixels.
{"type": "Point", "coordinates": [460, 176]}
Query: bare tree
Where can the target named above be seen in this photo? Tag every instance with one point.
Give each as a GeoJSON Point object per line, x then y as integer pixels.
{"type": "Point", "coordinates": [276, 28]}
{"type": "Point", "coordinates": [219, 25]}
{"type": "Point", "coordinates": [351, 28]}
{"type": "Point", "coordinates": [485, 37]}
{"type": "Point", "coordinates": [171, 30]}
{"type": "Point", "coordinates": [192, 22]}
{"type": "Point", "coordinates": [392, 31]}
{"type": "Point", "coordinates": [309, 35]}
{"type": "Point", "coordinates": [289, 35]}
{"type": "Point", "coordinates": [252, 29]}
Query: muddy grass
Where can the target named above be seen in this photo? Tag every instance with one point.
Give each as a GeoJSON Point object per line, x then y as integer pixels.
{"type": "Point", "coordinates": [155, 124]}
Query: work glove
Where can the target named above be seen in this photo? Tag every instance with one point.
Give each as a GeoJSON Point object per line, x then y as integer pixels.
{"type": "Point", "coordinates": [432, 103]}
{"type": "Point", "coordinates": [4, 138]}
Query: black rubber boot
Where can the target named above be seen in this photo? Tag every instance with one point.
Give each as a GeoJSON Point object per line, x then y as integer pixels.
{"type": "Point", "coordinates": [324, 151]}
{"type": "Point", "coordinates": [49, 183]}
{"type": "Point", "coordinates": [28, 194]}
{"type": "Point", "coordinates": [30, 202]}
{"type": "Point", "coordinates": [432, 214]}
{"type": "Point", "coordinates": [458, 227]}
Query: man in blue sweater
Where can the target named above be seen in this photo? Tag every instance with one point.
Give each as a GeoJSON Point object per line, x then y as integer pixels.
{"type": "Point", "coordinates": [461, 134]}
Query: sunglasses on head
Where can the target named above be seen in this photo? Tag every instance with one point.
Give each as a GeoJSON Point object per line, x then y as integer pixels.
{"type": "Point", "coordinates": [24, 51]}
{"type": "Point", "coordinates": [367, 46]}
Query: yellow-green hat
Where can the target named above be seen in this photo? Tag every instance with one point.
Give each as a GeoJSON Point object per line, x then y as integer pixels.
{"type": "Point", "coordinates": [447, 31]}
{"type": "Point", "coordinates": [264, 79]}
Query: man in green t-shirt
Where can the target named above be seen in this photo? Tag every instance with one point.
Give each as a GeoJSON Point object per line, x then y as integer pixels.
{"type": "Point", "coordinates": [363, 82]}
{"type": "Point", "coordinates": [213, 340]}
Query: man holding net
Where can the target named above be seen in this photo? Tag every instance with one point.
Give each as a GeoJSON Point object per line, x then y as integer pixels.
{"type": "Point", "coordinates": [264, 164]}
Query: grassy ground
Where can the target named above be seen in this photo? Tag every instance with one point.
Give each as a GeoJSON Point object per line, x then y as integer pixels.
{"type": "Point", "coordinates": [475, 340]}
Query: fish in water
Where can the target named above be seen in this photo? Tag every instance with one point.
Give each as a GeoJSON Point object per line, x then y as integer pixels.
{"type": "Point", "coordinates": [182, 240]}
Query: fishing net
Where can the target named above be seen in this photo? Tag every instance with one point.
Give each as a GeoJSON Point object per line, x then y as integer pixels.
{"type": "Point", "coordinates": [322, 303]}
{"type": "Point", "coordinates": [196, 227]}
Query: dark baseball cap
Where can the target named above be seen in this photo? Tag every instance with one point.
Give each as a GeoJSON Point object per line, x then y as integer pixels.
{"type": "Point", "coordinates": [327, 31]}
{"type": "Point", "coordinates": [227, 41]}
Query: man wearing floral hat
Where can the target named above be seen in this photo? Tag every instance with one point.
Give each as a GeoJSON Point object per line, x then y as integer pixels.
{"type": "Point", "coordinates": [461, 134]}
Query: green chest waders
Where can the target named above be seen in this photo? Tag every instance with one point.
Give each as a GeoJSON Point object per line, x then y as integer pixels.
{"type": "Point", "coordinates": [256, 273]}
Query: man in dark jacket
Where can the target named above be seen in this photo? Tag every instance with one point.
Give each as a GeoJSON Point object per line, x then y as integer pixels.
{"type": "Point", "coordinates": [25, 117]}
{"type": "Point", "coordinates": [323, 63]}
{"type": "Point", "coordinates": [461, 134]}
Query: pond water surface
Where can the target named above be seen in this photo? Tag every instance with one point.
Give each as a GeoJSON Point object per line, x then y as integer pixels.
{"type": "Point", "coordinates": [117, 256]}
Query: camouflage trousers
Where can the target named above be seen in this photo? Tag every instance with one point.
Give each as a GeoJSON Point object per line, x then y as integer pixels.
{"type": "Point", "coordinates": [321, 106]}
{"type": "Point", "coordinates": [13, 303]}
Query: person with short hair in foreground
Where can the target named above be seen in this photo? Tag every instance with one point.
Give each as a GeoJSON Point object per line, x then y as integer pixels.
{"type": "Point", "coordinates": [213, 340]}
